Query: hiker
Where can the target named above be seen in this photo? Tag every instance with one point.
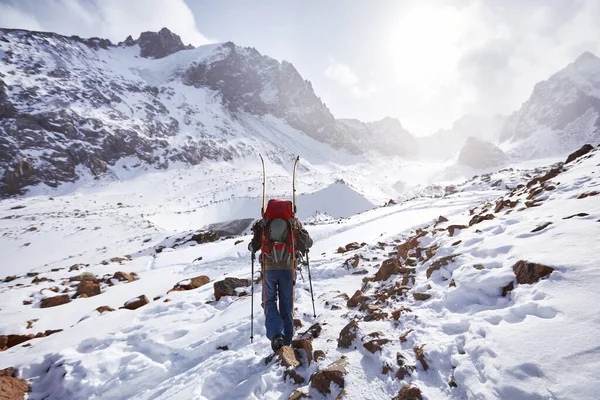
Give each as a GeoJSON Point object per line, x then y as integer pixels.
{"type": "Point", "coordinates": [282, 240]}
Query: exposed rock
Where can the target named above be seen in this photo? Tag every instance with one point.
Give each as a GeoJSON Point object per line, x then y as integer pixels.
{"type": "Point", "coordinates": [55, 301]}
{"type": "Point", "coordinates": [376, 316]}
{"type": "Point", "coordinates": [306, 345]}
{"type": "Point", "coordinates": [441, 219]}
{"type": "Point", "coordinates": [293, 375]}
{"type": "Point", "coordinates": [356, 299]}
{"type": "Point", "coordinates": [88, 288]}
{"type": "Point", "coordinates": [389, 267]}
{"type": "Point", "coordinates": [404, 335]}
{"type": "Point", "coordinates": [39, 279]}
{"type": "Point", "coordinates": [341, 250]}
{"type": "Point", "coordinates": [588, 194]}
{"type": "Point", "coordinates": [421, 296]}
{"type": "Point", "coordinates": [238, 242]}
{"type": "Point", "coordinates": [479, 218]}
{"type": "Point", "coordinates": [396, 313]}
{"type": "Point", "coordinates": [410, 244]}
{"type": "Point", "coordinates": [453, 228]}
{"type": "Point", "coordinates": [375, 345]}
{"type": "Point", "coordinates": [224, 348]}
{"type": "Point", "coordinates": [348, 335]}
{"type": "Point", "coordinates": [353, 246]}
{"type": "Point", "coordinates": [528, 272]}
{"type": "Point", "coordinates": [577, 215]}
{"type": "Point", "coordinates": [439, 263]}
{"type": "Point", "coordinates": [321, 380]}
{"type": "Point", "coordinates": [541, 226]}
{"type": "Point", "coordinates": [314, 331]}
{"type": "Point", "coordinates": [504, 203]}
{"type": "Point", "coordinates": [287, 357]}
{"type": "Point", "coordinates": [136, 303]}
{"type": "Point", "coordinates": [10, 278]}
{"type": "Point", "coordinates": [386, 368]}
{"type": "Point", "coordinates": [297, 395]}
{"type": "Point", "coordinates": [227, 286]}
{"type": "Point", "coordinates": [319, 355]}
{"type": "Point", "coordinates": [102, 309]}
{"type": "Point", "coordinates": [159, 44]}
{"type": "Point", "coordinates": [297, 323]}
{"type": "Point", "coordinates": [586, 148]}
{"type": "Point", "coordinates": [13, 388]}
{"type": "Point", "coordinates": [352, 262]}
{"type": "Point", "coordinates": [421, 356]}
{"type": "Point", "coordinates": [123, 277]}
{"type": "Point", "coordinates": [204, 237]}
{"type": "Point", "coordinates": [10, 371]}
{"type": "Point", "coordinates": [409, 392]}
{"type": "Point", "coordinates": [190, 284]}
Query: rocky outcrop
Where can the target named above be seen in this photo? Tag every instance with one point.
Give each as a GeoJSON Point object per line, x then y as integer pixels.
{"type": "Point", "coordinates": [11, 387]}
{"type": "Point", "coordinates": [158, 44]}
{"type": "Point", "coordinates": [586, 148]}
{"type": "Point", "coordinates": [55, 301]}
{"type": "Point", "coordinates": [480, 154]}
{"type": "Point", "coordinates": [529, 272]}
{"type": "Point", "coordinates": [348, 335]}
{"type": "Point", "coordinates": [88, 288]}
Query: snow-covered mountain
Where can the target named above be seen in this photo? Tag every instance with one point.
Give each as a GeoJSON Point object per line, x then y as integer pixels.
{"type": "Point", "coordinates": [68, 105]}
{"type": "Point", "coordinates": [561, 114]}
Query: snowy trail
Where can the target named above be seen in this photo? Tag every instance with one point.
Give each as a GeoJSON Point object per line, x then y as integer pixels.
{"type": "Point", "coordinates": [491, 346]}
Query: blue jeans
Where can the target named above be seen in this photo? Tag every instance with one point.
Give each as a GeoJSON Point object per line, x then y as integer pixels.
{"type": "Point", "coordinates": [279, 285]}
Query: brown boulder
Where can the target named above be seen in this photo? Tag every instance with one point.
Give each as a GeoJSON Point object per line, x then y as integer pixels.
{"type": "Point", "coordinates": [453, 228]}
{"type": "Point", "coordinates": [321, 380]}
{"type": "Point", "coordinates": [88, 288]}
{"type": "Point", "coordinates": [528, 272]}
{"type": "Point", "coordinates": [227, 286]}
{"type": "Point", "coordinates": [353, 246]}
{"type": "Point", "coordinates": [504, 203]}
{"type": "Point", "coordinates": [319, 355]}
{"type": "Point", "coordinates": [194, 283]}
{"type": "Point", "coordinates": [421, 296]}
{"type": "Point", "coordinates": [348, 335]}
{"type": "Point", "coordinates": [375, 345]}
{"type": "Point", "coordinates": [13, 388]}
{"type": "Point", "coordinates": [8, 341]}
{"type": "Point", "coordinates": [102, 309]}
{"type": "Point", "coordinates": [586, 148]}
{"type": "Point", "coordinates": [357, 299]}
{"type": "Point", "coordinates": [480, 218]}
{"type": "Point", "coordinates": [10, 371]}
{"type": "Point", "coordinates": [287, 357]}
{"type": "Point", "coordinates": [123, 276]}
{"type": "Point", "coordinates": [136, 303]}
{"type": "Point", "coordinates": [352, 262]}
{"type": "Point", "coordinates": [439, 263]}
{"type": "Point", "coordinates": [306, 345]}
{"type": "Point", "coordinates": [421, 356]}
{"type": "Point", "coordinates": [341, 250]}
{"type": "Point", "coordinates": [389, 267]}
{"type": "Point", "coordinates": [55, 301]}
{"type": "Point", "coordinates": [396, 313]}
{"type": "Point", "coordinates": [409, 392]}
{"type": "Point", "coordinates": [410, 244]}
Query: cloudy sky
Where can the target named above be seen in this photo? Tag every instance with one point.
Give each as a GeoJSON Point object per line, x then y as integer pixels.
{"type": "Point", "coordinates": [425, 62]}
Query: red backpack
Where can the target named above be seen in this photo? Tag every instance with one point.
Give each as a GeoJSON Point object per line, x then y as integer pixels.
{"type": "Point", "coordinates": [278, 232]}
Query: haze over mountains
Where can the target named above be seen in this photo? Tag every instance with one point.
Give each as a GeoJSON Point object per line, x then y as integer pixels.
{"type": "Point", "coordinates": [72, 106]}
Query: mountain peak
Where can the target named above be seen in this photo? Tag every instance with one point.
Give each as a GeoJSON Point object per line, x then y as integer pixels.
{"type": "Point", "coordinates": [159, 44]}
{"type": "Point", "coordinates": [587, 57]}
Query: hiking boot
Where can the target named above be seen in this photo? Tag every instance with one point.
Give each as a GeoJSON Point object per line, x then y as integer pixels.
{"type": "Point", "coordinates": [277, 342]}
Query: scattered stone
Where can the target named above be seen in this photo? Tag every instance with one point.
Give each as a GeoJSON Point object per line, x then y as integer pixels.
{"type": "Point", "coordinates": [120, 259]}
{"type": "Point", "coordinates": [456, 243]}
{"type": "Point", "coordinates": [224, 348]}
{"type": "Point", "coordinates": [353, 246]}
{"type": "Point", "coordinates": [297, 323]}
{"type": "Point", "coordinates": [306, 345]}
{"type": "Point", "coordinates": [504, 203]}
{"type": "Point", "coordinates": [55, 301]}
{"type": "Point", "coordinates": [319, 355]}
{"type": "Point", "coordinates": [123, 276]}
{"type": "Point", "coordinates": [528, 272]}
{"type": "Point", "coordinates": [478, 266]}
{"type": "Point", "coordinates": [341, 250]}
{"type": "Point", "coordinates": [452, 283]}
{"type": "Point", "coordinates": [404, 335]}
{"type": "Point", "coordinates": [386, 369]}
{"type": "Point", "coordinates": [10, 371]}
{"type": "Point", "coordinates": [76, 267]}
{"type": "Point", "coordinates": [88, 288]}
{"type": "Point", "coordinates": [439, 263]}
{"type": "Point", "coordinates": [421, 356]}
{"type": "Point", "coordinates": [286, 357]}
{"type": "Point", "coordinates": [136, 303]}
{"type": "Point", "coordinates": [321, 380]}
{"type": "Point", "coordinates": [480, 218]}
{"type": "Point", "coordinates": [297, 395]}
{"type": "Point", "coordinates": [10, 278]}
{"type": "Point", "coordinates": [441, 219]}
{"type": "Point", "coordinates": [102, 309]}
{"type": "Point", "coordinates": [357, 298]}
{"type": "Point", "coordinates": [389, 267]}
{"type": "Point", "coordinates": [396, 314]}
{"type": "Point", "coordinates": [541, 226]}
{"type": "Point", "coordinates": [27, 302]}
{"type": "Point", "coordinates": [190, 284]}
{"type": "Point", "coordinates": [32, 274]}
{"type": "Point", "coordinates": [204, 237]}
{"type": "Point", "coordinates": [409, 392]}
{"type": "Point", "coordinates": [586, 148]}
{"type": "Point", "coordinates": [582, 214]}
{"type": "Point", "coordinates": [30, 323]}
{"type": "Point", "coordinates": [410, 244]}
{"type": "Point", "coordinates": [352, 262]}
{"type": "Point", "coordinates": [227, 286]}
{"type": "Point", "coordinates": [452, 382]}
{"type": "Point", "coordinates": [375, 345]}
{"type": "Point", "coordinates": [453, 228]}
{"type": "Point", "coordinates": [37, 280]}
{"type": "Point", "coordinates": [348, 335]}
{"type": "Point", "coordinates": [293, 375]}
{"type": "Point", "coordinates": [314, 331]}
{"type": "Point", "coordinates": [588, 194]}
{"type": "Point", "coordinates": [421, 296]}
{"type": "Point", "coordinates": [376, 316]}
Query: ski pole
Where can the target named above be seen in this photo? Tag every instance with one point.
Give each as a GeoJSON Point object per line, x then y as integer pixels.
{"type": "Point", "coordinates": [311, 289]}
{"type": "Point", "coordinates": [252, 303]}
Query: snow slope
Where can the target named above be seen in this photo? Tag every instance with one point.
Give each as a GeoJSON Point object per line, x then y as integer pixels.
{"type": "Point", "coordinates": [538, 342]}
